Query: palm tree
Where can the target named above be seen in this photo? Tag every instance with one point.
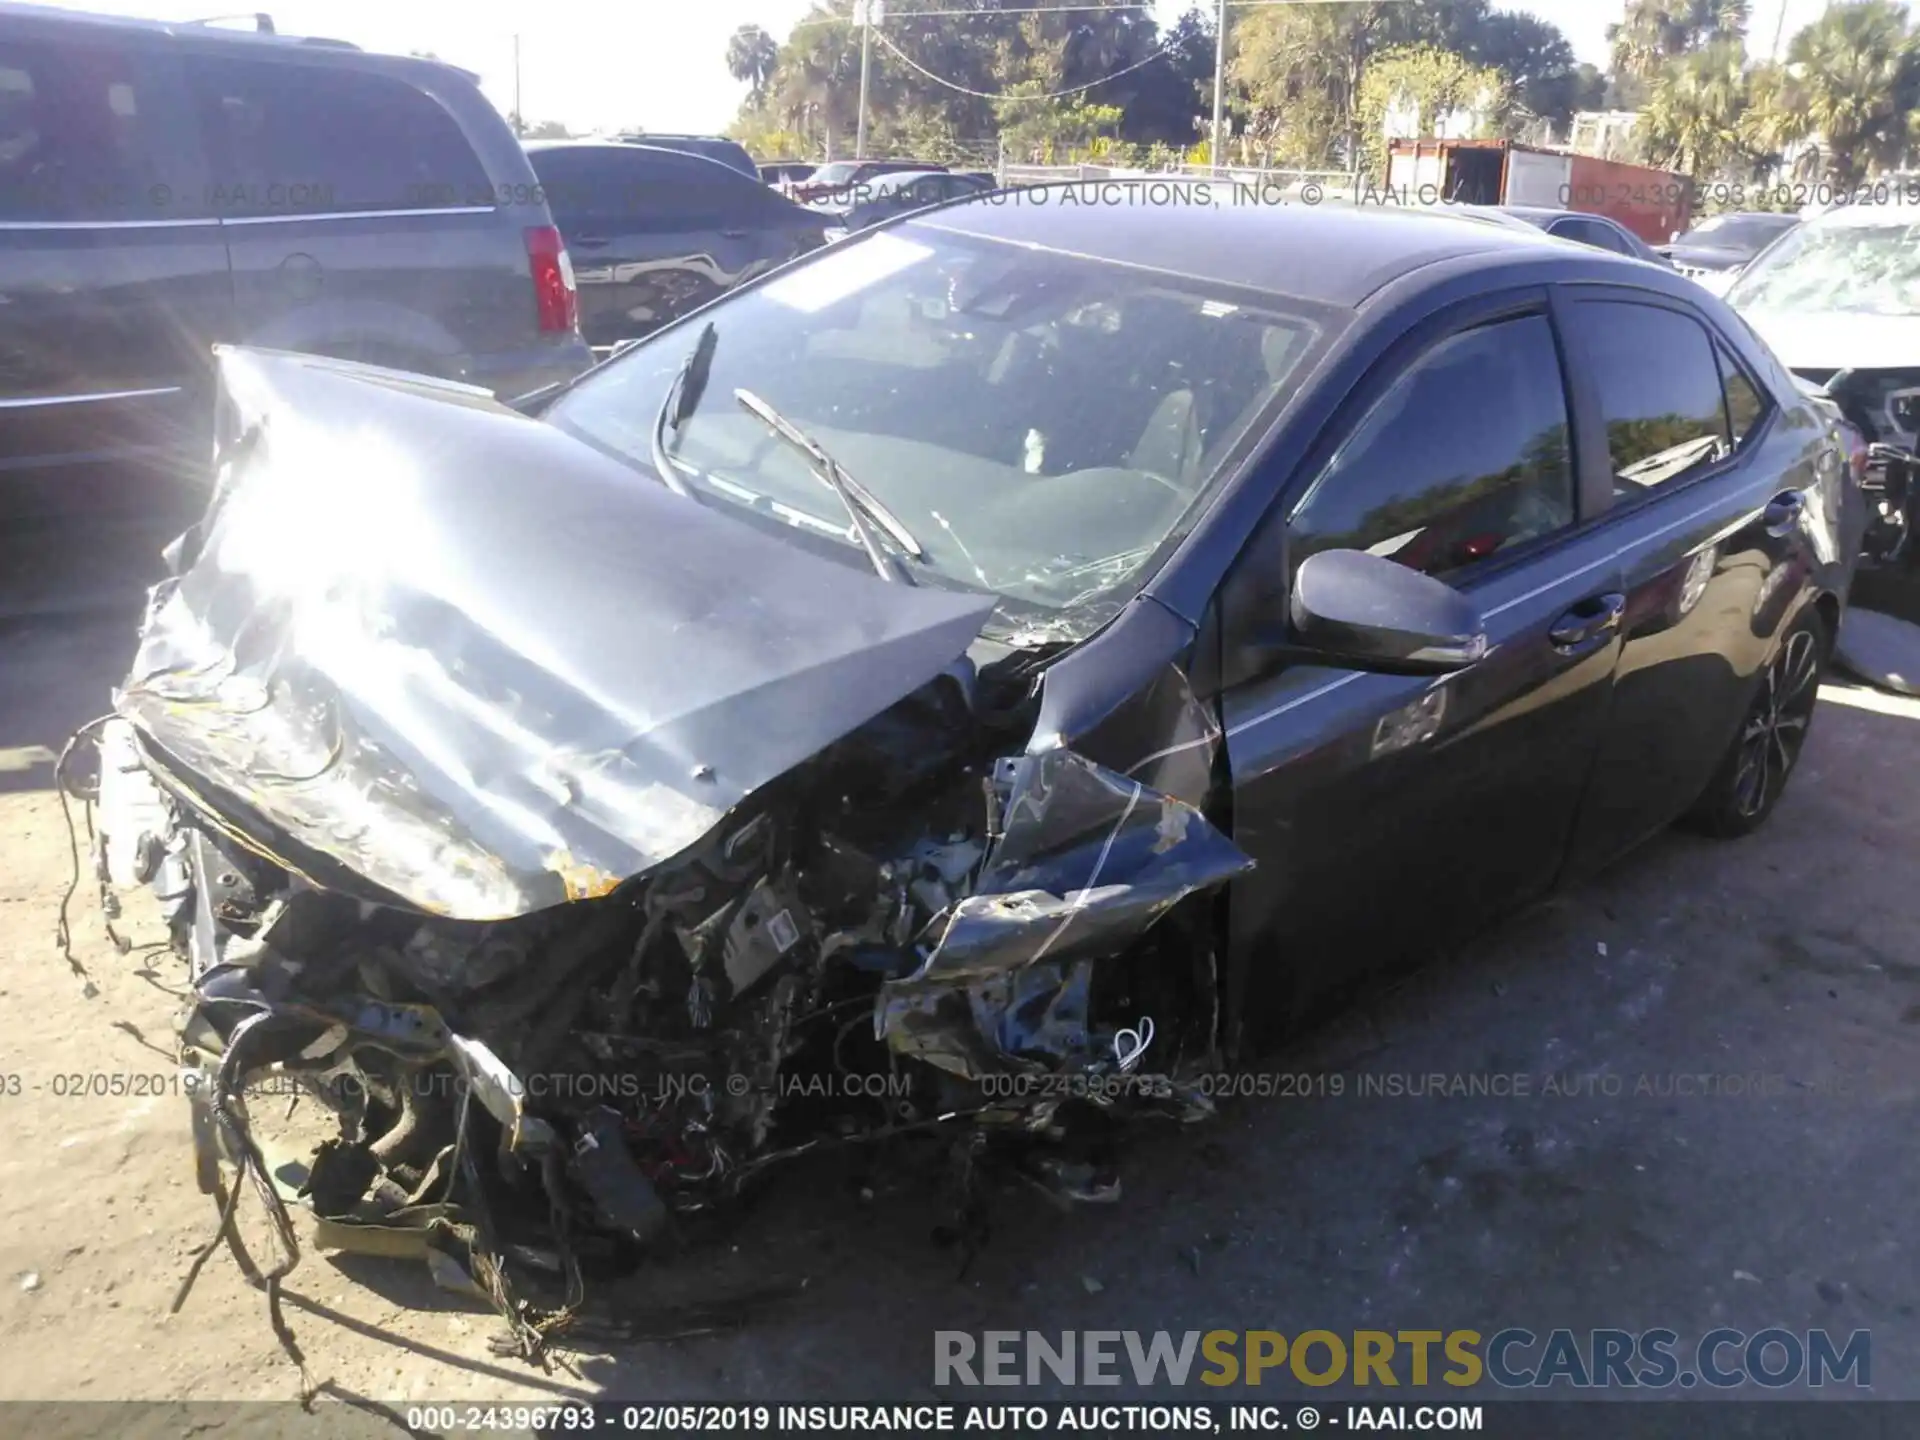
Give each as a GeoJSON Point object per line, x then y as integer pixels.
{"type": "Point", "coordinates": [751, 58]}
{"type": "Point", "coordinates": [1852, 78]}
{"type": "Point", "coordinates": [1692, 119]}
{"type": "Point", "coordinates": [1656, 31]}
{"type": "Point", "coordinates": [1771, 126]}
{"type": "Point", "coordinates": [819, 74]}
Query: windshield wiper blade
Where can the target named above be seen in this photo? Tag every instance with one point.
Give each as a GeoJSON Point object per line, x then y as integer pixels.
{"type": "Point", "coordinates": [855, 496]}
{"type": "Point", "coordinates": [682, 395]}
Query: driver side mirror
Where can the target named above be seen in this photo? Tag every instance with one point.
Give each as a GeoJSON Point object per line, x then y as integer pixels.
{"type": "Point", "coordinates": [1371, 613]}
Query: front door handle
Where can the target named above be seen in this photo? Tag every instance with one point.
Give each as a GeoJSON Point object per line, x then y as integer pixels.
{"type": "Point", "coordinates": [1588, 621]}
{"type": "Point", "coordinates": [1783, 512]}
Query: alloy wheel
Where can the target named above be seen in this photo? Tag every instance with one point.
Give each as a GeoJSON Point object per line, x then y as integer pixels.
{"type": "Point", "coordinates": [1776, 727]}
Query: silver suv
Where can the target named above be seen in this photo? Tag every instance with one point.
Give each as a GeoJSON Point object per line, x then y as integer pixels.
{"type": "Point", "coordinates": [168, 187]}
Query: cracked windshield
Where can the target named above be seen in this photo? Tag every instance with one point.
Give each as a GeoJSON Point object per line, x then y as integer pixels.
{"type": "Point", "coordinates": [1037, 424]}
{"type": "Point", "coordinates": [1856, 269]}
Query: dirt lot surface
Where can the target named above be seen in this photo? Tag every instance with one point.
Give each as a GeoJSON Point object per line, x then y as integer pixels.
{"type": "Point", "coordinates": [1784, 1196]}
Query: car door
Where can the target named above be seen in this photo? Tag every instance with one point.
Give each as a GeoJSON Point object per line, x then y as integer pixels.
{"type": "Point", "coordinates": [653, 234]}
{"type": "Point", "coordinates": [1392, 815]}
{"type": "Point", "coordinates": [113, 277]}
{"type": "Point", "coordinates": [1710, 477]}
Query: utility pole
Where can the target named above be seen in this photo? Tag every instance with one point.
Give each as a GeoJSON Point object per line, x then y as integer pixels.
{"type": "Point", "coordinates": [866, 13]}
{"type": "Point", "coordinates": [1779, 31]}
{"type": "Point", "coordinates": [1219, 86]}
{"type": "Point", "coordinates": [519, 115]}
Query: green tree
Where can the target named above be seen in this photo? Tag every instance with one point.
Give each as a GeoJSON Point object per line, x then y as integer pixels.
{"type": "Point", "coordinates": [1653, 32]}
{"type": "Point", "coordinates": [1298, 69]}
{"type": "Point", "coordinates": [1434, 84]}
{"type": "Point", "coordinates": [817, 79]}
{"type": "Point", "coordinates": [1852, 83]}
{"type": "Point", "coordinates": [751, 55]}
{"type": "Point", "coordinates": [1041, 133]}
{"type": "Point", "coordinates": [1165, 99]}
{"type": "Point", "coordinates": [1692, 119]}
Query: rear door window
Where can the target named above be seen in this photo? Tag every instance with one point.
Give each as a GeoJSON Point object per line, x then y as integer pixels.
{"type": "Point", "coordinates": [1466, 456]}
{"type": "Point", "coordinates": [92, 132]}
{"type": "Point", "coordinates": [1746, 405]}
{"type": "Point", "coordinates": [287, 138]}
{"type": "Point", "coordinates": [1586, 232]}
{"type": "Point", "coordinates": [1661, 397]}
{"type": "Point", "coordinates": [580, 186]}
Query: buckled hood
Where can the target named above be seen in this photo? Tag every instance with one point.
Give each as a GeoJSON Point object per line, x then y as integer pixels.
{"type": "Point", "coordinates": [482, 665]}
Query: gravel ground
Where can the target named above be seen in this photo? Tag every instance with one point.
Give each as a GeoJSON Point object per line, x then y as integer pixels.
{"type": "Point", "coordinates": [1789, 960]}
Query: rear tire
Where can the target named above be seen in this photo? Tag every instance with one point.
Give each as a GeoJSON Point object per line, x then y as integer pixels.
{"type": "Point", "coordinates": [1754, 774]}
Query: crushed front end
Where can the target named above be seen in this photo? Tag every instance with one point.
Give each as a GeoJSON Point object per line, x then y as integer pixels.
{"type": "Point", "coordinates": [575, 929]}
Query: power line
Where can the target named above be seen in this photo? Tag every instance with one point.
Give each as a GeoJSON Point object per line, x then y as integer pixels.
{"type": "Point", "coordinates": [962, 14]}
{"type": "Point", "coordinates": [922, 70]}
{"type": "Point", "coordinates": [1050, 10]}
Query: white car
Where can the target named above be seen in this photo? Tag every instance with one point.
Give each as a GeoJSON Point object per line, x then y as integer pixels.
{"type": "Point", "coordinates": [1838, 301]}
{"type": "Point", "coordinates": [1841, 292]}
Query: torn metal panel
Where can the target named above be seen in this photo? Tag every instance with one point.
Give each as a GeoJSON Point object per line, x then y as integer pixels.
{"type": "Point", "coordinates": [1087, 862]}
{"type": "Point", "coordinates": [1124, 701]}
{"type": "Point", "coordinates": [482, 665]}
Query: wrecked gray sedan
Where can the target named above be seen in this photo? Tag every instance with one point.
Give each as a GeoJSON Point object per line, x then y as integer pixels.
{"type": "Point", "coordinates": [858, 711]}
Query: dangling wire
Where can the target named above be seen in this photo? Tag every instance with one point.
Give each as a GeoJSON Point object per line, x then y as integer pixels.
{"type": "Point", "coordinates": [63, 933]}
{"type": "Point", "coordinates": [1130, 1045]}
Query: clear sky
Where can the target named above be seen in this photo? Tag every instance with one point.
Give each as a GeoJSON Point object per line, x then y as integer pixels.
{"type": "Point", "coordinates": [659, 64]}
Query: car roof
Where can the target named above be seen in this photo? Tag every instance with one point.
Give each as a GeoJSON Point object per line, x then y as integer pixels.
{"type": "Point", "coordinates": [201, 34]}
{"type": "Point", "coordinates": [890, 165]}
{"type": "Point", "coordinates": [895, 178]}
{"type": "Point", "coordinates": [1542, 214]}
{"type": "Point", "coordinates": [1336, 254]}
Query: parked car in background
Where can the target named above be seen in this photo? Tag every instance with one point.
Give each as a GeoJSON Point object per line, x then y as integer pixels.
{"type": "Point", "coordinates": [730, 153]}
{"type": "Point", "coordinates": [786, 172]}
{"type": "Point", "coordinates": [1716, 250]}
{"type": "Point", "coordinates": [167, 187]}
{"type": "Point", "coordinates": [655, 233]}
{"type": "Point", "coordinates": [1579, 226]}
{"type": "Point", "coordinates": [1838, 300]}
{"type": "Point", "coordinates": [871, 201]}
{"type": "Point", "coordinates": [840, 176]}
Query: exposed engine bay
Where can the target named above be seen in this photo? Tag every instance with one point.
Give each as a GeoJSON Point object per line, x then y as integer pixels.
{"type": "Point", "coordinates": [575, 934]}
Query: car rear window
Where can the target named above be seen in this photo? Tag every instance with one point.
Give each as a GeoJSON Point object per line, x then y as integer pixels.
{"type": "Point", "coordinates": [287, 138]}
